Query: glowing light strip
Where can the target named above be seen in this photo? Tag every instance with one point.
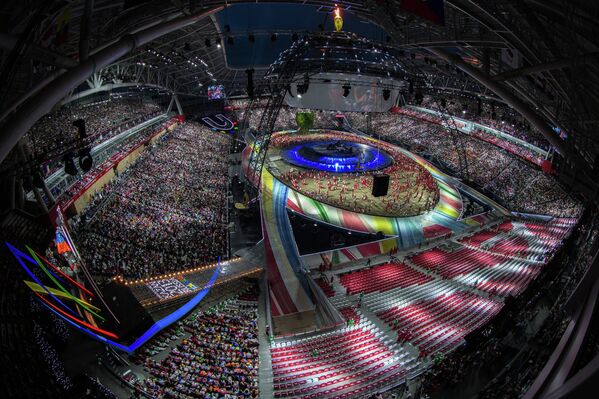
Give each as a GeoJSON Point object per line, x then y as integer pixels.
{"type": "Point", "coordinates": [68, 294]}
{"type": "Point", "coordinates": [153, 330]}
{"type": "Point", "coordinates": [19, 255]}
{"type": "Point", "coordinates": [108, 333]}
{"type": "Point", "coordinates": [66, 276]}
{"type": "Point", "coordinates": [37, 288]}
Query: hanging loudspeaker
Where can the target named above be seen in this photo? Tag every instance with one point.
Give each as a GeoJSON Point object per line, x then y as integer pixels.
{"type": "Point", "coordinates": [380, 185]}
{"type": "Point", "coordinates": [85, 160]}
{"type": "Point", "coordinates": [69, 164]}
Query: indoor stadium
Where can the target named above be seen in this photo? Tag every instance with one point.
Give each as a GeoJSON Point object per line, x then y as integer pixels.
{"type": "Point", "coordinates": [307, 199]}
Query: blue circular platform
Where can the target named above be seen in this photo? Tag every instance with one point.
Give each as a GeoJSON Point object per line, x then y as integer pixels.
{"type": "Point", "coordinates": [337, 156]}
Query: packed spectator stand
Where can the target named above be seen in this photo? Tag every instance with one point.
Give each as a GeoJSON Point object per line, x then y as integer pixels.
{"type": "Point", "coordinates": [103, 120]}
{"type": "Point", "coordinates": [214, 354]}
{"type": "Point", "coordinates": [429, 301]}
{"type": "Point", "coordinates": [521, 186]}
{"type": "Point", "coordinates": [167, 212]}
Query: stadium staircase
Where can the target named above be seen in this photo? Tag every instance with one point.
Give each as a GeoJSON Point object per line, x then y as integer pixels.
{"type": "Point", "coordinates": [265, 374]}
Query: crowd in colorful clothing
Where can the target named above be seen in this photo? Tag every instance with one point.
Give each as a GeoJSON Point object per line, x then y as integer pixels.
{"type": "Point", "coordinates": [103, 120]}
{"type": "Point", "coordinates": [496, 116]}
{"type": "Point", "coordinates": [167, 212]}
{"type": "Point", "coordinates": [217, 358]}
{"type": "Point", "coordinates": [519, 185]}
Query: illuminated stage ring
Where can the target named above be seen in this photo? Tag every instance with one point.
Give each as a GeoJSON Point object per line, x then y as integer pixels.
{"type": "Point", "coordinates": [412, 189]}
{"type": "Point", "coordinates": [337, 156]}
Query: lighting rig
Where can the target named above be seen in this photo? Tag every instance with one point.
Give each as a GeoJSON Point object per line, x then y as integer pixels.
{"type": "Point", "coordinates": [343, 53]}
{"type": "Point", "coordinates": [66, 152]}
{"type": "Point", "coordinates": [341, 58]}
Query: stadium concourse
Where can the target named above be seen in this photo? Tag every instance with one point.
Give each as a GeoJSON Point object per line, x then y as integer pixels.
{"type": "Point", "coordinates": [299, 200]}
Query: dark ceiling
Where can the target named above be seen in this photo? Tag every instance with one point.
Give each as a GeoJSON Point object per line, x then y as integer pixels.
{"type": "Point", "coordinates": [543, 52]}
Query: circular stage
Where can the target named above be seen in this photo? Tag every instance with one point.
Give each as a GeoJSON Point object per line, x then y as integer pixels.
{"type": "Point", "coordinates": [337, 156]}
{"type": "Point", "coordinates": [337, 168]}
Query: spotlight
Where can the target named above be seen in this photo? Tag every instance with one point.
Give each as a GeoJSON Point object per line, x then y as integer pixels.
{"type": "Point", "coordinates": [85, 160]}
{"type": "Point", "coordinates": [218, 45]}
{"type": "Point", "coordinates": [251, 38]}
{"type": "Point", "coordinates": [69, 164]}
{"type": "Point", "coordinates": [386, 94]}
{"type": "Point", "coordinates": [273, 37]}
{"type": "Point", "coordinates": [346, 89]}
{"type": "Point", "coordinates": [207, 42]}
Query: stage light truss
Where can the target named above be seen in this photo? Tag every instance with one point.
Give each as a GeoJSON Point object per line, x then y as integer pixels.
{"type": "Point", "coordinates": [342, 52]}
{"type": "Point", "coordinates": [279, 87]}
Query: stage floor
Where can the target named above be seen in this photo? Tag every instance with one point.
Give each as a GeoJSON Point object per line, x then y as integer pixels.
{"type": "Point", "coordinates": [412, 189]}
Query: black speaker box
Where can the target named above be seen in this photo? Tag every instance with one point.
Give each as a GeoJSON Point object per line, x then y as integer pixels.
{"type": "Point", "coordinates": [380, 185]}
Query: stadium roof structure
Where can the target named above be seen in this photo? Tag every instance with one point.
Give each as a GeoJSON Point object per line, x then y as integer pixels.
{"type": "Point", "coordinates": [541, 55]}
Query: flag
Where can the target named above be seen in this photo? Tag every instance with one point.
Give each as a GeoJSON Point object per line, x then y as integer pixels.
{"type": "Point", "coordinates": [62, 245]}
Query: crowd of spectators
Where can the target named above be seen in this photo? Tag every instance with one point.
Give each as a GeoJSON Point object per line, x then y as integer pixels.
{"type": "Point", "coordinates": [520, 185]}
{"type": "Point", "coordinates": [116, 152]}
{"type": "Point", "coordinates": [167, 213]}
{"type": "Point", "coordinates": [217, 358]}
{"type": "Point", "coordinates": [496, 116]}
{"type": "Point", "coordinates": [103, 120]}
{"type": "Point", "coordinates": [286, 117]}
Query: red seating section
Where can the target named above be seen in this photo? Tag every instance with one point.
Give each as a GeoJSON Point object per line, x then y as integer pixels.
{"type": "Point", "coordinates": [348, 362]}
{"type": "Point", "coordinates": [505, 226]}
{"type": "Point", "coordinates": [440, 323]}
{"type": "Point", "coordinates": [479, 238]}
{"type": "Point", "coordinates": [325, 286]}
{"type": "Point", "coordinates": [452, 264]}
{"type": "Point", "coordinates": [511, 246]}
{"type": "Point", "coordinates": [509, 284]}
{"type": "Point", "coordinates": [349, 312]}
{"type": "Point", "coordinates": [382, 278]}
{"type": "Point", "coordinates": [551, 233]}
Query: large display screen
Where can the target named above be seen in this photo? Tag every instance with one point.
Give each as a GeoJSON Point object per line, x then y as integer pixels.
{"type": "Point", "coordinates": [216, 92]}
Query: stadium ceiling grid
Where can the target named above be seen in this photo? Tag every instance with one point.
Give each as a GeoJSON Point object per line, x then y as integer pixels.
{"type": "Point", "coordinates": [560, 79]}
